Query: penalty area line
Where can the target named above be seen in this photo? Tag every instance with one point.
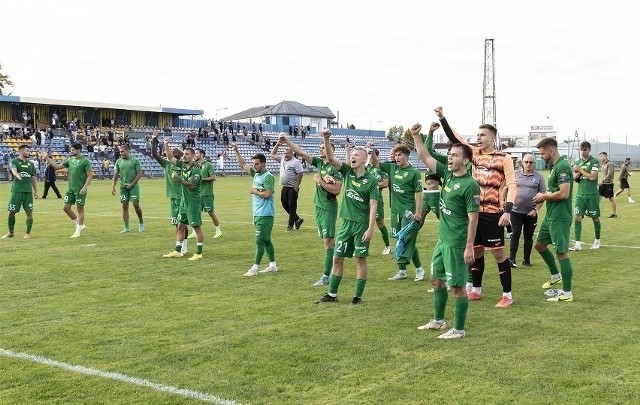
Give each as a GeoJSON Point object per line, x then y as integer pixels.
{"type": "Point", "coordinates": [119, 377]}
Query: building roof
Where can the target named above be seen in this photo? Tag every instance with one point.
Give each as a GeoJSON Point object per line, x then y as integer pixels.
{"type": "Point", "coordinates": [283, 108]}
{"type": "Point", "coordinates": [47, 101]}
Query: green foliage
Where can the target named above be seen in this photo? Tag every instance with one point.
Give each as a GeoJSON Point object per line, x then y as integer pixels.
{"type": "Point", "coordinates": [109, 301]}
{"type": "Point", "coordinates": [4, 81]}
{"type": "Point", "coordinates": [395, 133]}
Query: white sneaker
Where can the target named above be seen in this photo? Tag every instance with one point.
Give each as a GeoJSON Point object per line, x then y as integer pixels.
{"type": "Point", "coordinates": [251, 272]}
{"type": "Point", "coordinates": [433, 324]}
{"type": "Point", "coordinates": [419, 275]}
{"type": "Point", "coordinates": [452, 334]}
{"type": "Point", "coordinates": [576, 247]}
{"type": "Point", "coordinates": [386, 250]}
{"type": "Point", "coordinates": [192, 236]}
{"type": "Point", "coordinates": [596, 244]}
{"type": "Point", "coordinates": [269, 269]}
{"type": "Point", "coordinates": [631, 201]}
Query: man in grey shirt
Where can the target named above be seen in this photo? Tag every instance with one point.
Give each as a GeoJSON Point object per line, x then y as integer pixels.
{"type": "Point", "coordinates": [605, 187]}
{"type": "Point", "coordinates": [290, 178]}
{"type": "Point", "coordinates": [525, 212]}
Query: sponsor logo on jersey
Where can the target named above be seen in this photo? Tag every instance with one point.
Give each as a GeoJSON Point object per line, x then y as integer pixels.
{"type": "Point", "coordinates": [355, 183]}
{"type": "Point", "coordinates": [354, 195]}
{"type": "Point", "coordinates": [396, 188]}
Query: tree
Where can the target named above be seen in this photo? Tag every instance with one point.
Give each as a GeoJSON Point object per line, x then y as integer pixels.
{"type": "Point", "coordinates": [4, 81]}
{"type": "Point", "coordinates": [395, 133]}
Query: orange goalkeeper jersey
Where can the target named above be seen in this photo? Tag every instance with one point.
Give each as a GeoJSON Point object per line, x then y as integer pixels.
{"type": "Point", "coordinates": [494, 172]}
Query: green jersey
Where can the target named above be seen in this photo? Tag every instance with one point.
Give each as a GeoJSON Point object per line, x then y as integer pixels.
{"type": "Point", "coordinates": [379, 175]}
{"type": "Point", "coordinates": [173, 188]}
{"type": "Point", "coordinates": [404, 183]}
{"type": "Point", "coordinates": [128, 169]}
{"type": "Point", "coordinates": [358, 192]}
{"type": "Point", "coordinates": [27, 170]}
{"type": "Point", "coordinates": [560, 174]}
{"type": "Point", "coordinates": [79, 168]}
{"type": "Point", "coordinates": [206, 170]}
{"type": "Point", "coordinates": [322, 198]}
{"type": "Point", "coordinates": [190, 197]}
{"type": "Point", "coordinates": [459, 196]}
{"type": "Point", "coordinates": [587, 186]}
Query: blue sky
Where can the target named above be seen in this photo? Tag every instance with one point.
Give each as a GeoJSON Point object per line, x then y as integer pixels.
{"type": "Point", "coordinates": [575, 62]}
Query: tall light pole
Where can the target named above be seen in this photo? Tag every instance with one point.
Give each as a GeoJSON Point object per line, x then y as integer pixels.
{"type": "Point", "coordinates": [220, 109]}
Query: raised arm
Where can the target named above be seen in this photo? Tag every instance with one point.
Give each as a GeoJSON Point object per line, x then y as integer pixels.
{"type": "Point", "coordinates": [49, 160]}
{"type": "Point", "coordinates": [168, 152]}
{"type": "Point", "coordinates": [295, 148]}
{"type": "Point", "coordinates": [154, 148]}
{"type": "Point", "coordinates": [239, 158]}
{"type": "Point", "coordinates": [451, 134]}
{"type": "Point", "coordinates": [326, 134]}
{"type": "Point", "coordinates": [428, 144]}
{"type": "Point", "coordinates": [274, 152]}
{"type": "Point", "coordinates": [423, 153]}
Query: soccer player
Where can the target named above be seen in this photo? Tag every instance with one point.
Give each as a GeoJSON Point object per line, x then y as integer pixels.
{"type": "Point", "coordinates": [328, 185]}
{"type": "Point", "coordinates": [624, 179]}
{"type": "Point", "coordinates": [493, 170]}
{"type": "Point", "coordinates": [24, 188]}
{"type": "Point", "coordinates": [80, 175]}
{"type": "Point", "coordinates": [557, 220]}
{"type": "Point", "coordinates": [605, 187]}
{"type": "Point", "coordinates": [454, 251]}
{"type": "Point", "coordinates": [129, 170]}
{"type": "Point", "coordinates": [383, 182]}
{"type": "Point", "coordinates": [208, 177]}
{"type": "Point", "coordinates": [358, 213]}
{"type": "Point", "coordinates": [173, 189]}
{"type": "Point", "coordinates": [190, 201]}
{"type": "Point", "coordinates": [587, 200]}
{"type": "Point", "coordinates": [405, 184]}
{"type": "Point", "coordinates": [263, 209]}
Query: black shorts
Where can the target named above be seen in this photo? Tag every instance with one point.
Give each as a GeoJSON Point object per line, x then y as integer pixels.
{"type": "Point", "coordinates": [624, 183]}
{"type": "Point", "coordinates": [606, 190]}
{"type": "Point", "coordinates": [489, 233]}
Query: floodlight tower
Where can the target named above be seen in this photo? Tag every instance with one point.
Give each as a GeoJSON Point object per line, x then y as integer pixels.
{"type": "Point", "coordinates": [489, 86]}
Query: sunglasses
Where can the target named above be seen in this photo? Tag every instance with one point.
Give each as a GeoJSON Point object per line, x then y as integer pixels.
{"type": "Point", "coordinates": [527, 162]}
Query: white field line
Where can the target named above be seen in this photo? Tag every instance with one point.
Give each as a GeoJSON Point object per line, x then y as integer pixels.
{"type": "Point", "coordinates": [119, 377]}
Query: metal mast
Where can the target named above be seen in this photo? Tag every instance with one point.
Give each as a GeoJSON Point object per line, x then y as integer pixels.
{"type": "Point", "coordinates": [489, 86]}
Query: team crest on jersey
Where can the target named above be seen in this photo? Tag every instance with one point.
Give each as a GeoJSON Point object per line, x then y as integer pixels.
{"type": "Point", "coordinates": [456, 186]}
{"type": "Point", "coordinates": [563, 177]}
{"type": "Point", "coordinates": [365, 181]}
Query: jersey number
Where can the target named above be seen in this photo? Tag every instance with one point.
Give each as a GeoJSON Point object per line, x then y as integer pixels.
{"type": "Point", "coordinates": [342, 247]}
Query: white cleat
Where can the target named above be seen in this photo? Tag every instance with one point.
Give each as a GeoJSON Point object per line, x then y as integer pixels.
{"type": "Point", "coordinates": [577, 247]}
{"type": "Point", "coordinates": [386, 250]}
{"type": "Point", "coordinates": [596, 244]}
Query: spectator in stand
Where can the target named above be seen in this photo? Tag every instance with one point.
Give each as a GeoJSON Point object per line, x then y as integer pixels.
{"type": "Point", "coordinates": [104, 168]}
{"type": "Point", "coordinates": [220, 162]}
{"type": "Point", "coordinates": [73, 127]}
{"type": "Point", "coordinates": [90, 149]}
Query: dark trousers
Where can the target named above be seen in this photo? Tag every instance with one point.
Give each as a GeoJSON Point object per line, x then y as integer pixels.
{"type": "Point", "coordinates": [289, 200]}
{"type": "Point", "coordinates": [518, 223]}
{"type": "Point", "coordinates": [52, 185]}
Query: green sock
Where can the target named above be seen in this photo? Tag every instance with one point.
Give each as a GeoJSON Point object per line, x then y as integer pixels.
{"type": "Point", "coordinates": [402, 267]}
{"type": "Point", "coordinates": [12, 223]}
{"type": "Point", "coordinates": [469, 277]}
{"type": "Point", "coordinates": [141, 221]}
{"type": "Point", "coordinates": [597, 225]}
{"type": "Point", "coordinates": [271, 253]}
{"type": "Point", "coordinates": [199, 249]}
{"type": "Point", "coordinates": [126, 224]}
{"type": "Point", "coordinates": [567, 272]}
{"type": "Point", "coordinates": [439, 303]}
{"type": "Point", "coordinates": [578, 228]}
{"type": "Point", "coordinates": [385, 235]}
{"type": "Point", "coordinates": [548, 258]}
{"type": "Point", "coordinates": [416, 259]}
{"type": "Point", "coordinates": [360, 282]}
{"type": "Point", "coordinates": [460, 312]}
{"type": "Point", "coordinates": [29, 224]}
{"type": "Point", "coordinates": [328, 261]}
{"type": "Point", "coordinates": [178, 247]}
{"type": "Point", "coordinates": [259, 251]}
{"type": "Point", "coordinates": [334, 282]}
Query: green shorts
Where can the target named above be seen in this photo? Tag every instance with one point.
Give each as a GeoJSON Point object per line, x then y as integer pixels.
{"type": "Point", "coordinates": [431, 202]}
{"type": "Point", "coordinates": [24, 200]}
{"type": "Point", "coordinates": [380, 211]}
{"type": "Point", "coordinates": [349, 240]}
{"type": "Point", "coordinates": [207, 203]}
{"type": "Point", "coordinates": [263, 227]}
{"type": "Point", "coordinates": [326, 222]}
{"type": "Point", "coordinates": [190, 215]}
{"type": "Point", "coordinates": [587, 205]}
{"type": "Point", "coordinates": [447, 263]}
{"type": "Point", "coordinates": [132, 194]}
{"type": "Point", "coordinates": [556, 232]}
{"type": "Point", "coordinates": [74, 197]}
{"type": "Point", "coordinates": [174, 210]}
{"type": "Point", "coordinates": [397, 222]}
